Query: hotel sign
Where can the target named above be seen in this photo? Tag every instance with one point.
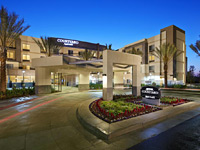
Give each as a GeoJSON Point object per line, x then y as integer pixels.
{"type": "Point", "coordinates": [77, 44]}
{"type": "Point", "coordinates": [67, 42]}
{"type": "Point", "coordinates": [150, 92]}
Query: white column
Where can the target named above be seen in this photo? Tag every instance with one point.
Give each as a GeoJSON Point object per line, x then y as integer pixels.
{"type": "Point", "coordinates": [42, 80]}
{"type": "Point", "coordinates": [136, 81]}
{"type": "Point", "coordinates": [107, 77]}
{"type": "Point", "coordinates": [84, 81]}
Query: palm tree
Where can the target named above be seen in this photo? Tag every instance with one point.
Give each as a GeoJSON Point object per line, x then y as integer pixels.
{"type": "Point", "coordinates": [166, 53]}
{"type": "Point", "coordinates": [11, 27]}
{"type": "Point", "coordinates": [136, 52]}
{"type": "Point", "coordinates": [196, 47]}
{"type": "Point", "coordinates": [47, 45]}
{"type": "Point", "coordinates": [87, 54]}
{"type": "Point", "coordinates": [109, 47]}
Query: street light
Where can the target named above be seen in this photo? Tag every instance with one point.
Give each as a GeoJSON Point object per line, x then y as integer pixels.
{"type": "Point", "coordinates": [23, 74]}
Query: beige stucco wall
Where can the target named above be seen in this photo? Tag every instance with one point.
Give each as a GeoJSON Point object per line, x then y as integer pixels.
{"type": "Point", "coordinates": [115, 57]}
{"type": "Point", "coordinates": [118, 77]}
{"type": "Point", "coordinates": [48, 61]}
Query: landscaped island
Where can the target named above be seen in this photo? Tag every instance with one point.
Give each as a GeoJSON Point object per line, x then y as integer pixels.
{"type": "Point", "coordinates": [127, 106]}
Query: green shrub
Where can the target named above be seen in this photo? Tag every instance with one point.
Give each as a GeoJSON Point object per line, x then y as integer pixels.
{"type": "Point", "coordinates": [96, 86]}
{"type": "Point", "coordinates": [17, 93]}
{"type": "Point", "coordinates": [154, 84]}
{"type": "Point", "coordinates": [179, 86]}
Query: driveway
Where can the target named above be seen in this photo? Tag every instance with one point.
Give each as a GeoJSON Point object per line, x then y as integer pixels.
{"type": "Point", "coordinates": [49, 123]}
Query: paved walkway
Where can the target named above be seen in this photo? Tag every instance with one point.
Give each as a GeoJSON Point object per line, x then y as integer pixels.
{"type": "Point", "coordinates": [50, 123]}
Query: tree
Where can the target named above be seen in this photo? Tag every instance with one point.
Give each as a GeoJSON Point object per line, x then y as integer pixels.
{"type": "Point", "coordinates": [108, 47]}
{"type": "Point", "coordinates": [166, 53]}
{"type": "Point", "coordinates": [11, 27]}
{"type": "Point", "coordinates": [136, 52]}
{"type": "Point", "coordinates": [48, 46]}
{"type": "Point", "coordinates": [196, 47]}
{"type": "Point", "coordinates": [87, 54]}
{"type": "Point", "coordinates": [190, 75]}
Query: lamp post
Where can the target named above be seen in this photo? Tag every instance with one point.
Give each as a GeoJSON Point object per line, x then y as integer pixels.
{"type": "Point", "coordinates": [150, 78]}
{"type": "Point", "coordinates": [23, 76]}
{"type": "Point", "coordinates": [98, 77]}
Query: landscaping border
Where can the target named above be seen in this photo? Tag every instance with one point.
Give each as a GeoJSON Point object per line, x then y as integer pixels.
{"type": "Point", "coordinates": [108, 131]}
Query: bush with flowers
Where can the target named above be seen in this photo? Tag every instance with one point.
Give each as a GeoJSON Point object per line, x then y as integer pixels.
{"type": "Point", "coordinates": [120, 108]}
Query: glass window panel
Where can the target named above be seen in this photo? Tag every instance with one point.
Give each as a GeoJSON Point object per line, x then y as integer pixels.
{"type": "Point", "coordinates": [26, 57]}
{"type": "Point", "coordinates": [10, 55]}
{"type": "Point", "coordinates": [28, 67]}
{"type": "Point", "coordinates": [26, 46]}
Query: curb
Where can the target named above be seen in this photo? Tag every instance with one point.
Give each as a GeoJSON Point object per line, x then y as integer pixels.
{"type": "Point", "coordinates": [107, 131]}
{"type": "Point", "coordinates": [197, 92]}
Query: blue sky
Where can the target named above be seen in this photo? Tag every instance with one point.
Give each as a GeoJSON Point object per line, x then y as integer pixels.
{"type": "Point", "coordinates": [109, 21]}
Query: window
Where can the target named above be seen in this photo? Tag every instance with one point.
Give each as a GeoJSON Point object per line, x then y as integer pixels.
{"type": "Point", "coordinates": [26, 67]}
{"type": "Point", "coordinates": [26, 46]}
{"type": "Point", "coordinates": [42, 50]}
{"type": "Point", "coordinates": [70, 52]}
{"type": "Point", "coordinates": [9, 66]}
{"type": "Point", "coordinates": [80, 53]}
{"type": "Point", "coordinates": [26, 57]}
{"type": "Point", "coordinates": [128, 81]}
{"type": "Point", "coordinates": [151, 58]}
{"type": "Point", "coordinates": [11, 45]}
{"type": "Point", "coordinates": [151, 48]}
{"type": "Point", "coordinates": [10, 55]}
{"type": "Point", "coordinates": [151, 69]}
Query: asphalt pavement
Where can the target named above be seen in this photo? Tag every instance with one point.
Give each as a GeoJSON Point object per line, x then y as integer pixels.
{"type": "Point", "coordinates": [185, 136]}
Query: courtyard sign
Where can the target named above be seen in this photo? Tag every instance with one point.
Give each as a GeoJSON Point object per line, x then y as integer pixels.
{"type": "Point", "coordinates": [67, 42]}
{"type": "Point", "coordinates": [150, 92]}
{"type": "Point", "coordinates": [77, 44]}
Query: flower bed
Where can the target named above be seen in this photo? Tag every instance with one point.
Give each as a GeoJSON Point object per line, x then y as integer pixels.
{"type": "Point", "coordinates": [122, 107]}
{"type": "Point", "coordinates": [173, 100]}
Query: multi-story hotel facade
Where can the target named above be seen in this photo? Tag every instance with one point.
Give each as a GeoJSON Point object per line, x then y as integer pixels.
{"type": "Point", "coordinates": [24, 50]}
{"type": "Point", "coordinates": [152, 67]}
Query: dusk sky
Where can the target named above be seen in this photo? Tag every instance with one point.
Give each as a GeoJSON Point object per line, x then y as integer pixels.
{"type": "Point", "coordinates": [112, 22]}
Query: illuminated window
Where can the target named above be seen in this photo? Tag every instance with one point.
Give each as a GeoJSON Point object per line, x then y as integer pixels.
{"type": "Point", "coordinates": [28, 67]}
{"type": "Point", "coordinates": [26, 46]}
{"type": "Point", "coordinates": [151, 58]}
{"type": "Point", "coordinates": [26, 57]}
{"type": "Point", "coordinates": [10, 55]}
{"type": "Point", "coordinates": [13, 78]}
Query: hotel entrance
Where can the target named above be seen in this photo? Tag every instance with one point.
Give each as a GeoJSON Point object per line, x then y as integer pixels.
{"type": "Point", "coordinates": [56, 81]}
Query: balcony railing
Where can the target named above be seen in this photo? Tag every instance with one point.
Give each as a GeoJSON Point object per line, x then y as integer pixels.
{"type": "Point", "coordinates": [27, 50]}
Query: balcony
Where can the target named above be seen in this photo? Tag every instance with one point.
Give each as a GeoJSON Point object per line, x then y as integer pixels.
{"type": "Point", "coordinates": [25, 60]}
{"type": "Point", "coordinates": [150, 61]}
{"type": "Point", "coordinates": [26, 50]}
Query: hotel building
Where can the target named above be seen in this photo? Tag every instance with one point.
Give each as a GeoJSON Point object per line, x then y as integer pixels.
{"type": "Point", "coordinates": [24, 50]}
{"type": "Point", "coordinates": [152, 67]}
